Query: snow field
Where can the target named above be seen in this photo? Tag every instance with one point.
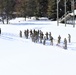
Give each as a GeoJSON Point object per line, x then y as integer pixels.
{"type": "Point", "coordinates": [20, 56]}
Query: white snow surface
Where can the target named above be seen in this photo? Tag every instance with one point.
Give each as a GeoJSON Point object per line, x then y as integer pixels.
{"type": "Point", "coordinates": [20, 56]}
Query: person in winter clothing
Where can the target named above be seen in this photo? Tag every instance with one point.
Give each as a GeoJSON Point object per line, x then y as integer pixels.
{"type": "Point", "coordinates": [51, 39]}
{"type": "Point", "coordinates": [49, 35]}
{"type": "Point", "coordinates": [0, 30]}
{"type": "Point", "coordinates": [44, 40]}
{"type": "Point", "coordinates": [41, 36]}
{"type": "Point", "coordinates": [59, 39]}
{"type": "Point", "coordinates": [46, 35]}
{"type": "Point", "coordinates": [69, 38]}
{"type": "Point", "coordinates": [65, 43]}
{"type": "Point", "coordinates": [20, 33]}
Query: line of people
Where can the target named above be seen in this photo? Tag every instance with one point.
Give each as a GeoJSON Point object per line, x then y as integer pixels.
{"type": "Point", "coordinates": [39, 36]}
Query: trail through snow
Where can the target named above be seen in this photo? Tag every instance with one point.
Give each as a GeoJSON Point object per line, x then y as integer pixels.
{"type": "Point", "coordinates": [21, 56]}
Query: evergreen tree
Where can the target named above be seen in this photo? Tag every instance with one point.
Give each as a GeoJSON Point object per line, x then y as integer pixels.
{"type": "Point", "coordinates": [43, 5]}
{"type": "Point", "coordinates": [7, 8]}
{"type": "Point", "coordinates": [49, 9]}
{"type": "Point", "coordinates": [38, 8]}
{"type": "Point", "coordinates": [61, 8]}
{"type": "Point", "coordinates": [31, 8]}
{"type": "Point", "coordinates": [52, 9]}
{"type": "Point", "coordinates": [26, 7]}
{"type": "Point", "coordinates": [68, 7]}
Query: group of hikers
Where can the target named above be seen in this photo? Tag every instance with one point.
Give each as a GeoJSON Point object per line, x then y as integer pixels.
{"type": "Point", "coordinates": [39, 36]}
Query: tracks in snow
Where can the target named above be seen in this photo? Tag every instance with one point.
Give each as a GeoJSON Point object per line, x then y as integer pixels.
{"type": "Point", "coordinates": [15, 37]}
{"type": "Point", "coordinates": [12, 37]}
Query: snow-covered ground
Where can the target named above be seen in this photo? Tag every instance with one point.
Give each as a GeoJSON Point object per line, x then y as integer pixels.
{"type": "Point", "coordinates": [20, 56]}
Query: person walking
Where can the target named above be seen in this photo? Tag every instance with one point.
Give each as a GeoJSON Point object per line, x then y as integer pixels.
{"type": "Point", "coordinates": [65, 43]}
{"type": "Point", "coordinates": [69, 38]}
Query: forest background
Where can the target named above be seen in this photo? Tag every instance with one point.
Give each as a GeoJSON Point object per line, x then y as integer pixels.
{"type": "Point", "coordinates": [37, 8]}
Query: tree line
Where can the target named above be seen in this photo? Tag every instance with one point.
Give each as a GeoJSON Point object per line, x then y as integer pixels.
{"type": "Point", "coordinates": [38, 8]}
